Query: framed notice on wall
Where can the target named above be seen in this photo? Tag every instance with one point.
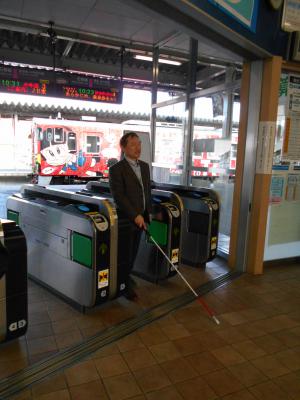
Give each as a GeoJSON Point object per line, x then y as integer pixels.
{"type": "Point", "coordinates": [291, 16]}
{"type": "Point", "coordinates": [291, 141]}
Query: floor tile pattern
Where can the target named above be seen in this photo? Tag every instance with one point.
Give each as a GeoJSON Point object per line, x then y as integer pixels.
{"type": "Point", "coordinates": [253, 354]}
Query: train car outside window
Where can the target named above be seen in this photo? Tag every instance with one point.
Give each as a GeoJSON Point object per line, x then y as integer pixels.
{"type": "Point", "coordinates": [59, 135]}
{"type": "Point", "coordinates": [71, 141]}
{"type": "Point", "coordinates": [49, 135]}
{"type": "Point", "coordinates": [92, 144]}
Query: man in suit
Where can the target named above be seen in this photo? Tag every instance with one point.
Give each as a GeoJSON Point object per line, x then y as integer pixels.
{"type": "Point", "coordinates": [131, 189]}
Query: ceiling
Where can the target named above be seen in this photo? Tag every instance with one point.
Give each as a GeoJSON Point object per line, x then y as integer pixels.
{"type": "Point", "coordinates": [91, 35]}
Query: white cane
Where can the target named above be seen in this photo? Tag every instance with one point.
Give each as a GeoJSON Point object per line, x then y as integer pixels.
{"type": "Point", "coordinates": [199, 299]}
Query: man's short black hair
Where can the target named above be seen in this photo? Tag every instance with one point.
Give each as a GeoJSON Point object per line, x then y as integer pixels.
{"type": "Point", "coordinates": [124, 139]}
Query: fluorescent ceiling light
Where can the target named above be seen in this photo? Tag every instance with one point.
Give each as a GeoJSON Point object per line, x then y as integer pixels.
{"type": "Point", "coordinates": [161, 60]}
{"type": "Point", "coordinates": [171, 62]}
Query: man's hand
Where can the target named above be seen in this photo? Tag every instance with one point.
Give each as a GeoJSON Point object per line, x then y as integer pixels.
{"type": "Point", "coordinates": [140, 222]}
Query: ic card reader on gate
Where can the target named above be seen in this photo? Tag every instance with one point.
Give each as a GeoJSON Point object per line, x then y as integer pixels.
{"type": "Point", "coordinates": [99, 220]}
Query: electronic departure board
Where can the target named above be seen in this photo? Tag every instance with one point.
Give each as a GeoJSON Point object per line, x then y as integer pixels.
{"type": "Point", "coordinates": [41, 82]}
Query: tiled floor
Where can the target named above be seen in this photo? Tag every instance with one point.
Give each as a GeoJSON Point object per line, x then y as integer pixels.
{"type": "Point", "coordinates": [253, 354]}
{"type": "Point", "coordinates": [55, 325]}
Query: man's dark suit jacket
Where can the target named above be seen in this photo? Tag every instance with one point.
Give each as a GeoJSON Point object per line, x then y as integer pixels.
{"type": "Point", "coordinates": [127, 190]}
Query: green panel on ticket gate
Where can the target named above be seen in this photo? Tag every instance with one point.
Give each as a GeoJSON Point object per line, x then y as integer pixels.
{"type": "Point", "coordinates": [13, 216]}
{"type": "Point", "coordinates": [159, 231]}
{"type": "Point", "coordinates": [81, 249]}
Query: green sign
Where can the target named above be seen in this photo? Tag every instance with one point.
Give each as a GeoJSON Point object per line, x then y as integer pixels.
{"type": "Point", "coordinates": [283, 87]}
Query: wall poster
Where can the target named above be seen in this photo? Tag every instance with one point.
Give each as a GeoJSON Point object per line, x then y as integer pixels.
{"type": "Point", "coordinates": [265, 147]}
{"type": "Point", "coordinates": [291, 141]}
{"type": "Point", "coordinates": [276, 190]}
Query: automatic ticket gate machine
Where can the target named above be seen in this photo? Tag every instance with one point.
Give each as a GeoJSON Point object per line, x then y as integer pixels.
{"type": "Point", "coordinates": [200, 222]}
{"type": "Point", "coordinates": [165, 228]}
{"type": "Point", "coordinates": [13, 281]}
{"type": "Point", "coordinates": [72, 243]}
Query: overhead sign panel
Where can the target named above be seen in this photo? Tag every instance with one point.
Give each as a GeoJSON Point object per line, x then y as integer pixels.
{"type": "Point", "coordinates": [245, 11]}
{"type": "Point", "coordinates": [40, 82]}
{"type": "Point", "coordinates": [84, 87]}
{"type": "Point", "coordinates": [24, 80]}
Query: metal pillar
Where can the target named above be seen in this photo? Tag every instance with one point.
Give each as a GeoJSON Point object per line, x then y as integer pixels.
{"type": "Point", "coordinates": [155, 71]}
{"type": "Point", "coordinates": [249, 162]}
{"type": "Point", "coordinates": [228, 104]}
{"type": "Point", "coordinates": [189, 117]}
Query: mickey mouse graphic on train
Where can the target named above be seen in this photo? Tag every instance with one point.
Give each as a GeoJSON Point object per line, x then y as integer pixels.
{"type": "Point", "coordinates": [73, 148]}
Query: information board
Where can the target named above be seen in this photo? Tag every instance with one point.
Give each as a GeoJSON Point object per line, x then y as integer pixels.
{"type": "Point", "coordinates": [291, 141]}
{"type": "Point", "coordinates": [41, 82]}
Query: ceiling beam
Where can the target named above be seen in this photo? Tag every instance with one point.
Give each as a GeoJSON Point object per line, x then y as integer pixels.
{"type": "Point", "coordinates": [84, 66]}
{"type": "Point", "coordinates": [67, 49]}
{"type": "Point", "coordinates": [38, 28]}
{"type": "Point", "coordinates": [162, 42]}
{"type": "Point", "coordinates": [209, 73]}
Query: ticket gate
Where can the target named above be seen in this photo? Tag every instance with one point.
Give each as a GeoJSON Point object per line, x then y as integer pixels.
{"type": "Point", "coordinates": [200, 222]}
{"type": "Point", "coordinates": [165, 227]}
{"type": "Point", "coordinates": [72, 243]}
{"type": "Point", "coordinates": [13, 281]}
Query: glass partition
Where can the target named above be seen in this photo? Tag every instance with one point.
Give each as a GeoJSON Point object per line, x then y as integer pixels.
{"type": "Point", "coordinates": [168, 155]}
{"type": "Point", "coordinates": [214, 158]}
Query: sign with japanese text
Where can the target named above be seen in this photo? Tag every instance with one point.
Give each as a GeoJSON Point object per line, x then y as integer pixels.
{"type": "Point", "coordinates": [41, 82]}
